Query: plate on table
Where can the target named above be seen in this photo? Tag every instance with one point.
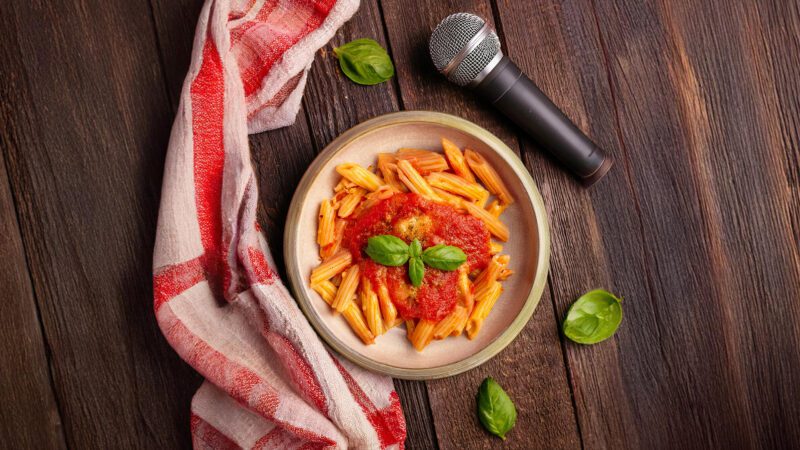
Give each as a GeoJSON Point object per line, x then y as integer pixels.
{"type": "Point", "coordinates": [528, 246]}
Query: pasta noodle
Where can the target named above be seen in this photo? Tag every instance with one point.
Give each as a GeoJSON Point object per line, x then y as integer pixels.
{"type": "Point", "coordinates": [483, 306]}
{"type": "Point", "coordinates": [359, 176]}
{"type": "Point", "coordinates": [456, 159]}
{"type": "Point", "coordinates": [457, 185]}
{"type": "Point", "coordinates": [496, 208]}
{"type": "Point", "coordinates": [423, 334]}
{"type": "Point", "coordinates": [369, 304]}
{"type": "Point", "coordinates": [414, 181]}
{"type": "Point", "coordinates": [350, 201]}
{"type": "Point", "coordinates": [424, 161]}
{"type": "Point", "coordinates": [387, 165]}
{"type": "Point", "coordinates": [388, 309]}
{"type": "Point", "coordinates": [488, 176]}
{"type": "Point", "coordinates": [325, 229]}
{"type": "Point", "coordinates": [332, 248]}
{"type": "Point", "coordinates": [346, 290]}
{"type": "Point", "coordinates": [497, 228]}
{"type": "Point", "coordinates": [449, 323]}
{"type": "Point", "coordinates": [332, 267]}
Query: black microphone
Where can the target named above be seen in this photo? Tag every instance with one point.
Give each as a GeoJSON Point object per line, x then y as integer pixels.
{"type": "Point", "coordinates": [466, 49]}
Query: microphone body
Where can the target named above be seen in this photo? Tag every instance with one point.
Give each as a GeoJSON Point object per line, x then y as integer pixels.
{"type": "Point", "coordinates": [515, 95]}
{"type": "Point", "coordinates": [466, 50]}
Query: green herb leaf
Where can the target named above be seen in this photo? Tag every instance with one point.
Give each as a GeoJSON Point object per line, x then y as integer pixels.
{"type": "Point", "coordinates": [415, 249]}
{"type": "Point", "coordinates": [593, 318]}
{"type": "Point", "coordinates": [387, 250]}
{"type": "Point", "coordinates": [496, 411]}
{"type": "Point", "coordinates": [444, 257]}
{"type": "Point", "coordinates": [364, 61]}
{"type": "Point", "coordinates": [416, 271]}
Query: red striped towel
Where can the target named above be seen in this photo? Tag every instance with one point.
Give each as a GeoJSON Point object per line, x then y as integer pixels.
{"type": "Point", "coordinates": [270, 382]}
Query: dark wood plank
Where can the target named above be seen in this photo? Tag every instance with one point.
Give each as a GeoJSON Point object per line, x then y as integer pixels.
{"type": "Point", "coordinates": [91, 123]}
{"type": "Point", "coordinates": [25, 388]}
{"type": "Point", "coordinates": [596, 239]}
{"type": "Point", "coordinates": [333, 104]}
{"type": "Point", "coordinates": [532, 369]}
{"type": "Point", "coordinates": [703, 358]}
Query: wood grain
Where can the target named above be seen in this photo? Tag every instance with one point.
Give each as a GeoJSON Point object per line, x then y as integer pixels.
{"type": "Point", "coordinates": [532, 368]}
{"type": "Point", "coordinates": [85, 168]}
{"type": "Point", "coordinates": [25, 388]}
{"type": "Point", "coordinates": [683, 120]}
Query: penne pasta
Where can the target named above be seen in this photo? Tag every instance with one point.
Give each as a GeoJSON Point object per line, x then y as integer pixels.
{"type": "Point", "coordinates": [347, 289]}
{"type": "Point", "coordinates": [505, 274]}
{"type": "Point", "coordinates": [495, 247]}
{"type": "Point", "coordinates": [359, 176]}
{"type": "Point", "coordinates": [483, 306]}
{"type": "Point", "coordinates": [348, 204]}
{"type": "Point", "coordinates": [414, 181]}
{"type": "Point", "coordinates": [332, 248]}
{"type": "Point", "coordinates": [487, 277]}
{"type": "Point", "coordinates": [326, 290]}
{"type": "Point", "coordinates": [488, 176]}
{"type": "Point", "coordinates": [456, 159]}
{"type": "Point", "coordinates": [450, 199]}
{"type": "Point", "coordinates": [423, 334]}
{"type": "Point", "coordinates": [425, 161]}
{"type": "Point", "coordinates": [410, 324]}
{"type": "Point", "coordinates": [369, 304]}
{"type": "Point", "coordinates": [387, 165]}
{"type": "Point", "coordinates": [343, 185]}
{"type": "Point", "coordinates": [497, 228]}
{"type": "Point", "coordinates": [355, 319]}
{"type": "Point", "coordinates": [496, 208]}
{"type": "Point", "coordinates": [388, 309]}
{"type": "Point", "coordinates": [457, 185]}
{"type": "Point", "coordinates": [335, 265]}
{"type": "Point", "coordinates": [465, 290]}
{"type": "Point", "coordinates": [449, 324]}
{"type": "Point", "coordinates": [325, 232]}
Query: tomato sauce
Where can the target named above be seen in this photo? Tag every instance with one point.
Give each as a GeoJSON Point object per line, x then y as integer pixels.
{"type": "Point", "coordinates": [409, 217]}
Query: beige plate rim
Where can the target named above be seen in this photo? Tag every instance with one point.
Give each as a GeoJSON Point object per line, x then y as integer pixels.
{"type": "Point", "coordinates": [297, 279]}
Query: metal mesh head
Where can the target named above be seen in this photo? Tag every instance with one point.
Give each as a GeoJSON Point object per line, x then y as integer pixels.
{"type": "Point", "coordinates": [451, 36]}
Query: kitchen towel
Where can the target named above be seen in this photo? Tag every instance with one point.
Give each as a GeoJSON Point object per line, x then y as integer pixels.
{"type": "Point", "coordinates": [270, 381]}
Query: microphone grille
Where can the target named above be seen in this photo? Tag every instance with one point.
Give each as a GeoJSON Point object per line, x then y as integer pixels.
{"type": "Point", "coordinates": [451, 36]}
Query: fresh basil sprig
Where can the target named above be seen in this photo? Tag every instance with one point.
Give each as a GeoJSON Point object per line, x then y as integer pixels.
{"type": "Point", "coordinates": [364, 61]}
{"type": "Point", "coordinates": [593, 318]}
{"type": "Point", "coordinates": [387, 250]}
{"type": "Point", "coordinates": [444, 257]}
{"type": "Point", "coordinates": [392, 251]}
{"type": "Point", "coordinates": [496, 411]}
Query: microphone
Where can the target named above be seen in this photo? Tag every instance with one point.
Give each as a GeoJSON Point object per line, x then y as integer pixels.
{"type": "Point", "coordinates": [466, 50]}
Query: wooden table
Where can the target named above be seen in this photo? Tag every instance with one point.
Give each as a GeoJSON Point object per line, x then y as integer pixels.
{"type": "Point", "coordinates": [697, 226]}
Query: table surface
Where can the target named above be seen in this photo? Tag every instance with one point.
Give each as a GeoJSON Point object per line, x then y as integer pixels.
{"type": "Point", "coordinates": [697, 226]}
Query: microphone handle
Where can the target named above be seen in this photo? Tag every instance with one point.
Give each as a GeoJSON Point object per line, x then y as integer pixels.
{"type": "Point", "coordinates": [513, 93]}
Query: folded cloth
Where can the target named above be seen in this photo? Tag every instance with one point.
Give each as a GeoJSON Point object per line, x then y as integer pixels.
{"type": "Point", "coordinates": [270, 382]}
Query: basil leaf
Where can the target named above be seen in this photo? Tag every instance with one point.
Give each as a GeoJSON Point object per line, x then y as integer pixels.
{"type": "Point", "coordinates": [387, 250]}
{"type": "Point", "coordinates": [415, 250]}
{"type": "Point", "coordinates": [593, 318]}
{"type": "Point", "coordinates": [416, 271]}
{"type": "Point", "coordinates": [496, 411]}
{"type": "Point", "coordinates": [444, 257]}
{"type": "Point", "coordinates": [364, 61]}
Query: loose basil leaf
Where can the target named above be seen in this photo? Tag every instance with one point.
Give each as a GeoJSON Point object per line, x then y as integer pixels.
{"type": "Point", "coordinates": [387, 250]}
{"type": "Point", "coordinates": [444, 257]}
{"type": "Point", "coordinates": [416, 271]}
{"type": "Point", "coordinates": [415, 249]}
{"type": "Point", "coordinates": [593, 318]}
{"type": "Point", "coordinates": [496, 411]}
{"type": "Point", "coordinates": [364, 61]}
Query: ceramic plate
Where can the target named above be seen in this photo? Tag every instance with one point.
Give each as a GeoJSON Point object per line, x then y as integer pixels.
{"type": "Point", "coordinates": [529, 246]}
